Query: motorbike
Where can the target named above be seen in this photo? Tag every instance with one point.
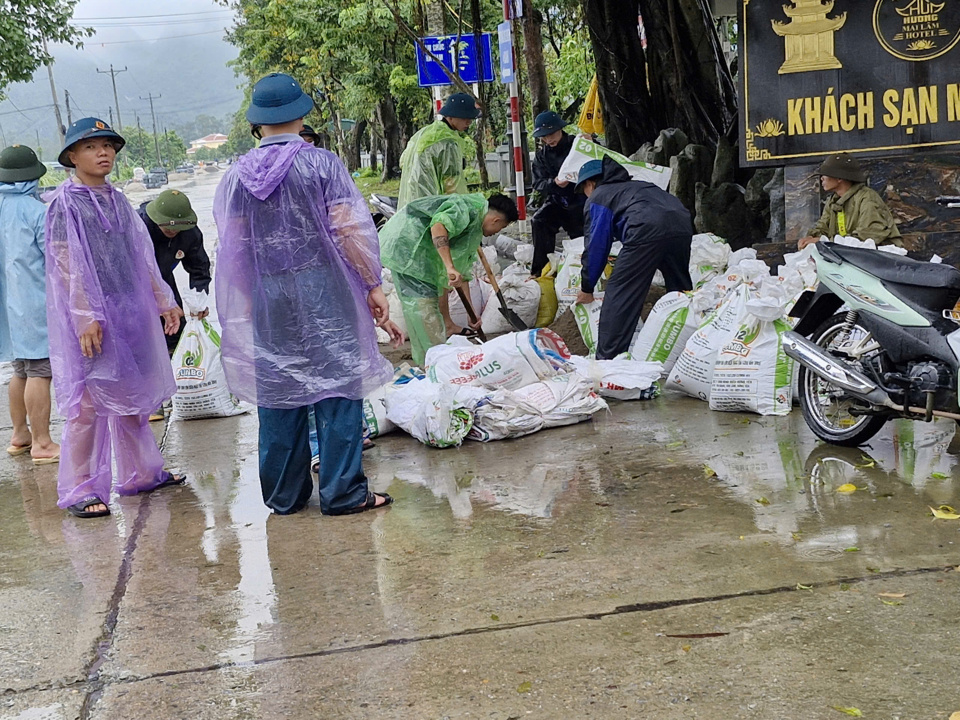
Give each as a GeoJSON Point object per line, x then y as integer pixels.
{"type": "Point", "coordinates": [878, 339]}
{"type": "Point", "coordinates": [385, 207]}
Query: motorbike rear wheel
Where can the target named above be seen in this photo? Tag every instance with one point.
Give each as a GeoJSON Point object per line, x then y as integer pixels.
{"type": "Point", "coordinates": [826, 407]}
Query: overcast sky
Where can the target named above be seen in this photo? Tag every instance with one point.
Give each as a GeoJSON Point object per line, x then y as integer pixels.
{"type": "Point", "coordinates": [116, 20]}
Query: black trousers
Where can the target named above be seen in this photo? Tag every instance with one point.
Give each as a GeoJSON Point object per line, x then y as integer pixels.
{"type": "Point", "coordinates": [627, 289]}
{"type": "Point", "coordinates": [546, 222]}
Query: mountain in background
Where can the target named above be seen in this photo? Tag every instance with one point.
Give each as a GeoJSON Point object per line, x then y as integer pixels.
{"type": "Point", "coordinates": [190, 75]}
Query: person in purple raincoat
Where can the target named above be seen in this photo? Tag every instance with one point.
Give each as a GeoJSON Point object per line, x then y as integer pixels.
{"type": "Point", "coordinates": [298, 294]}
{"type": "Point", "coordinates": [107, 352]}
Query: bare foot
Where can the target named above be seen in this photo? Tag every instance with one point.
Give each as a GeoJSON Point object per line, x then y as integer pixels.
{"type": "Point", "coordinates": [453, 330]}
{"type": "Point", "coordinates": [21, 441]}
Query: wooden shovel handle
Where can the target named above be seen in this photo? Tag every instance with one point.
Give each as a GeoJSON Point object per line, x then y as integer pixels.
{"type": "Point", "coordinates": [490, 275]}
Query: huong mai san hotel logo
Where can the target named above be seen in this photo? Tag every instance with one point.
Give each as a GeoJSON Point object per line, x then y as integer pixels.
{"type": "Point", "coordinates": [917, 30]}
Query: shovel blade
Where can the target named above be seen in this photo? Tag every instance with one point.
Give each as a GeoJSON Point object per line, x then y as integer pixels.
{"type": "Point", "coordinates": [511, 316]}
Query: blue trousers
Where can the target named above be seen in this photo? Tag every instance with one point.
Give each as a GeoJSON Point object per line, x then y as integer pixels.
{"type": "Point", "coordinates": [285, 456]}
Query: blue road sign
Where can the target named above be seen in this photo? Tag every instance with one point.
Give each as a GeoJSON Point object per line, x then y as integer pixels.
{"type": "Point", "coordinates": [505, 46]}
{"type": "Point", "coordinates": [462, 55]}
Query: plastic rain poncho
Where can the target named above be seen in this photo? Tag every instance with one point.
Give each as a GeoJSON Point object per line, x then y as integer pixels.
{"type": "Point", "coordinates": [417, 270]}
{"type": "Point", "coordinates": [23, 303]}
{"type": "Point", "coordinates": [298, 256]}
{"type": "Point", "coordinates": [432, 164]}
{"type": "Point", "coordinates": [101, 267]}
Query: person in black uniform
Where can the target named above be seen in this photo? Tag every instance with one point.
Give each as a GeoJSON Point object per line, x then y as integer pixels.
{"type": "Point", "coordinates": [172, 225]}
{"type": "Point", "coordinates": [562, 207]}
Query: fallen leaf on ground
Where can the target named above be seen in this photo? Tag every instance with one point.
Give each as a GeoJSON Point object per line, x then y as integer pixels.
{"type": "Point", "coordinates": [709, 471]}
{"type": "Point", "coordinates": [945, 514]}
{"type": "Point", "coordinates": [796, 535]}
{"type": "Point", "coordinates": [697, 636]}
{"type": "Point", "coordinates": [893, 595]}
{"type": "Point", "coordinates": [676, 444]}
{"type": "Point", "coordinates": [851, 711]}
{"type": "Point", "coordinates": [804, 587]}
{"type": "Point", "coordinates": [867, 462]}
{"type": "Point", "coordinates": [851, 549]}
{"type": "Point", "coordinates": [955, 716]}
{"type": "Point", "coordinates": [939, 476]}
{"type": "Point", "coordinates": [685, 648]}
{"type": "Point", "coordinates": [525, 687]}
{"type": "Point", "coordinates": [891, 602]}
{"type": "Point", "coordinates": [847, 488]}
{"type": "Point", "coordinates": [763, 501]}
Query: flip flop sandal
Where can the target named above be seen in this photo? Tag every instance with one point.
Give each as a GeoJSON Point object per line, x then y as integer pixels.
{"type": "Point", "coordinates": [368, 444]}
{"type": "Point", "coordinates": [170, 482]}
{"type": "Point", "coordinates": [79, 509]}
{"type": "Point", "coordinates": [15, 450]}
{"type": "Point", "coordinates": [370, 504]}
{"type": "Point", "coordinates": [469, 332]}
{"type": "Point", "coordinates": [47, 461]}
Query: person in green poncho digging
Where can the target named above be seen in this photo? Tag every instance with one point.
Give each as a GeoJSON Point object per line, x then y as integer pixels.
{"type": "Point", "coordinates": [430, 246]}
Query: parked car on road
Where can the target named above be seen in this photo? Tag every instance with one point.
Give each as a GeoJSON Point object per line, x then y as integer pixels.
{"type": "Point", "coordinates": [188, 169]}
{"type": "Point", "coordinates": [161, 172]}
{"type": "Point", "coordinates": [152, 180]}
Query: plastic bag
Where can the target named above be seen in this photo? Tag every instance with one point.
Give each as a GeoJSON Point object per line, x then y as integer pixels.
{"type": "Point", "coordinates": [669, 325]}
{"type": "Point", "coordinates": [436, 414]}
{"type": "Point", "coordinates": [708, 257]}
{"type": "Point", "coordinates": [561, 400]}
{"type": "Point", "coordinates": [587, 316]}
{"type": "Point", "coordinates": [584, 150]}
{"type": "Point", "coordinates": [621, 378]}
{"type": "Point", "coordinates": [375, 419]}
{"type": "Point", "coordinates": [511, 361]}
{"type": "Point", "coordinates": [522, 296]}
{"type": "Point", "coordinates": [568, 274]}
{"type": "Point", "coordinates": [197, 367]}
{"type": "Point", "coordinates": [479, 293]}
{"type": "Point", "coordinates": [547, 310]}
{"type": "Point", "coordinates": [693, 371]}
{"type": "Point", "coordinates": [752, 373]}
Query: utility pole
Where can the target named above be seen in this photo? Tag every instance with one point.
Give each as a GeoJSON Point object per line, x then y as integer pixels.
{"type": "Point", "coordinates": [61, 130]}
{"type": "Point", "coordinates": [69, 114]}
{"type": "Point", "coordinates": [110, 110]}
{"type": "Point", "coordinates": [156, 142]}
{"type": "Point", "coordinates": [143, 148]}
{"type": "Point", "coordinates": [3, 136]}
{"type": "Point", "coordinates": [39, 149]}
{"type": "Point", "coordinates": [113, 78]}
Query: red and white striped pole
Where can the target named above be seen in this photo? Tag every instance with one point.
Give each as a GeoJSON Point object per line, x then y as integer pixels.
{"type": "Point", "coordinates": [517, 138]}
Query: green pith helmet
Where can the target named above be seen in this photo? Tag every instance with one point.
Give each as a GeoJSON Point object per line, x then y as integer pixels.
{"type": "Point", "coordinates": [18, 163]}
{"type": "Point", "coordinates": [171, 211]}
{"type": "Point", "coordinates": [843, 167]}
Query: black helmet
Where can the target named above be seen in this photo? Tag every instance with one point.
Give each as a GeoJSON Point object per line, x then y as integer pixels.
{"type": "Point", "coordinates": [843, 167]}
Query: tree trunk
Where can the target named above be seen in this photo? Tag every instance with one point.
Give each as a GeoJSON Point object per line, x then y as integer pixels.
{"type": "Point", "coordinates": [689, 78]}
{"type": "Point", "coordinates": [374, 149]}
{"type": "Point", "coordinates": [629, 117]}
{"type": "Point", "coordinates": [387, 117]}
{"type": "Point", "coordinates": [353, 151]}
{"type": "Point", "coordinates": [533, 53]}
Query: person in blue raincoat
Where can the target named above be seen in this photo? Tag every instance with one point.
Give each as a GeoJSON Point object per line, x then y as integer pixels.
{"type": "Point", "coordinates": [23, 304]}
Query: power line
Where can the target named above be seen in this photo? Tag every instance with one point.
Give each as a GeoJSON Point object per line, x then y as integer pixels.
{"type": "Point", "coordinates": [168, 37]}
{"type": "Point", "coordinates": [150, 23]}
{"type": "Point", "coordinates": [163, 15]}
{"type": "Point", "coordinates": [21, 111]}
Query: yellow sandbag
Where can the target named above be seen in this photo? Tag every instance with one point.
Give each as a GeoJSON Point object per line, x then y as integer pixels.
{"type": "Point", "coordinates": [591, 119]}
{"type": "Point", "coordinates": [547, 310]}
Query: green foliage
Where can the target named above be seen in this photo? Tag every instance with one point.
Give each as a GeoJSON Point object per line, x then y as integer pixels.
{"type": "Point", "coordinates": [141, 150]}
{"type": "Point", "coordinates": [53, 178]}
{"type": "Point", "coordinates": [570, 74]}
{"type": "Point", "coordinates": [23, 25]}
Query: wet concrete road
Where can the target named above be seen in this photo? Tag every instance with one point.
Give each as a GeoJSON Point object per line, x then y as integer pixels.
{"type": "Point", "coordinates": [662, 561]}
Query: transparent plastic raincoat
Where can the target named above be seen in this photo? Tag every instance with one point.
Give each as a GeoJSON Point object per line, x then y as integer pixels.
{"type": "Point", "coordinates": [298, 256]}
{"type": "Point", "coordinates": [23, 303]}
{"type": "Point", "coordinates": [432, 164]}
{"type": "Point", "coordinates": [101, 267]}
{"type": "Point", "coordinates": [418, 272]}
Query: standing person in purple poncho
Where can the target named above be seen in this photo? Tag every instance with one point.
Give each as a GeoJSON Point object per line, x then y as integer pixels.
{"type": "Point", "coordinates": [298, 294]}
{"type": "Point", "coordinates": [109, 359]}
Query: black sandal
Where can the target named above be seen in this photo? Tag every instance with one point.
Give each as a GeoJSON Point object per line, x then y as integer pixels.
{"type": "Point", "coordinates": [370, 504]}
{"type": "Point", "coordinates": [170, 482]}
{"type": "Point", "coordinates": [79, 509]}
{"type": "Point", "coordinates": [468, 332]}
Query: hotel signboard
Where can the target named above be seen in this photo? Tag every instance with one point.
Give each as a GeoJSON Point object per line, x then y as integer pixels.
{"type": "Point", "coordinates": [868, 77]}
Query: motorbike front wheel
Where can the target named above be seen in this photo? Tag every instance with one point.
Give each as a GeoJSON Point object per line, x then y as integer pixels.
{"type": "Point", "coordinates": [826, 408]}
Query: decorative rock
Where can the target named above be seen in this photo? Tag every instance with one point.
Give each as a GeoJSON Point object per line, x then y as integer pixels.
{"type": "Point", "coordinates": [691, 167]}
{"type": "Point", "coordinates": [723, 211]}
{"type": "Point", "coordinates": [725, 164]}
{"type": "Point", "coordinates": [775, 189]}
{"type": "Point", "coordinates": [758, 200]}
{"type": "Point", "coordinates": [644, 154]}
{"type": "Point", "coordinates": [671, 142]}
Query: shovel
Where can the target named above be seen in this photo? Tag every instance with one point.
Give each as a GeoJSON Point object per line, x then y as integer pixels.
{"type": "Point", "coordinates": [515, 322]}
{"type": "Point", "coordinates": [468, 306]}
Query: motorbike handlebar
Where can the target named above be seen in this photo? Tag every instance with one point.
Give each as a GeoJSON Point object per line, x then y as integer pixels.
{"type": "Point", "coordinates": [950, 201]}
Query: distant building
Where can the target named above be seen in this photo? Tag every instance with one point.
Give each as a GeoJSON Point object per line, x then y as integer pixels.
{"type": "Point", "coordinates": [212, 141]}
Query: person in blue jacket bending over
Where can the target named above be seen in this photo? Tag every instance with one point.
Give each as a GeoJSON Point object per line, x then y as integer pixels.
{"type": "Point", "coordinates": [656, 231]}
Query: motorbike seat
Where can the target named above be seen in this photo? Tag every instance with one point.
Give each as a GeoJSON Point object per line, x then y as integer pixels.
{"type": "Point", "coordinates": [387, 200]}
{"type": "Point", "coordinates": [931, 285]}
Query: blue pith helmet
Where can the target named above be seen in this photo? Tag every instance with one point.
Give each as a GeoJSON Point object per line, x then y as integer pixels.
{"type": "Point", "coordinates": [84, 129]}
{"type": "Point", "coordinates": [547, 123]}
{"type": "Point", "coordinates": [278, 99]}
{"type": "Point", "coordinates": [589, 170]}
{"type": "Point", "coordinates": [460, 105]}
